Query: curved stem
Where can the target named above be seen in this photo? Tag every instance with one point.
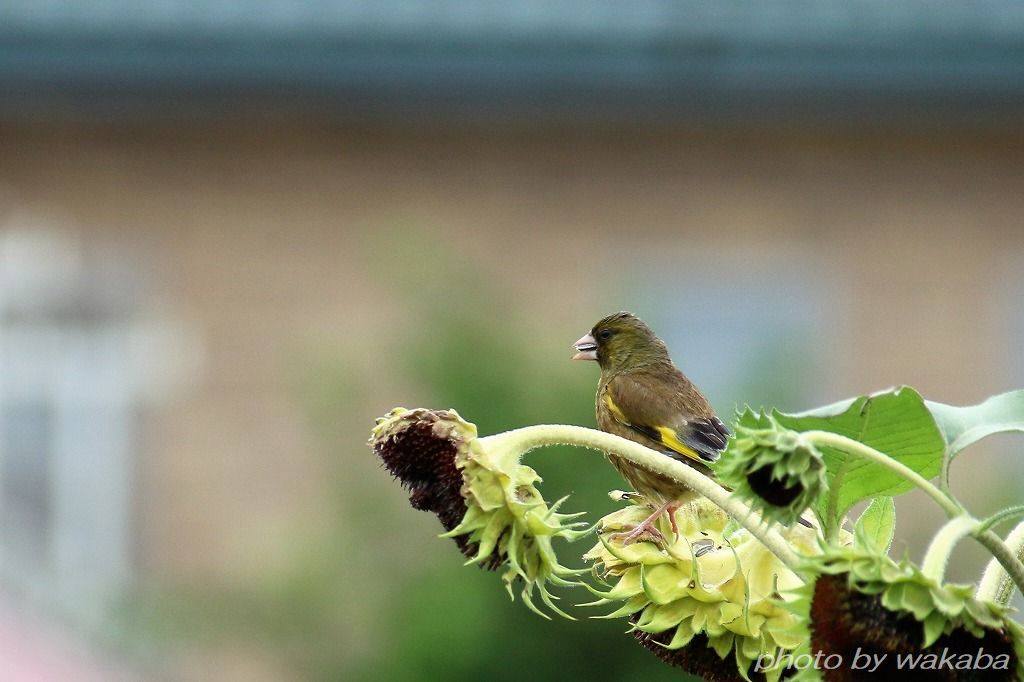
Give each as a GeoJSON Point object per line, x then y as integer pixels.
{"type": "Point", "coordinates": [947, 462]}
{"type": "Point", "coordinates": [531, 437]}
{"type": "Point", "coordinates": [941, 546]}
{"type": "Point", "coordinates": [996, 584]}
{"type": "Point", "coordinates": [854, 447]}
{"type": "Point", "coordinates": [992, 542]}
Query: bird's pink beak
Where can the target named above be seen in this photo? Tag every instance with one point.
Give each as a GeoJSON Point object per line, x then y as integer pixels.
{"type": "Point", "coordinates": [586, 348]}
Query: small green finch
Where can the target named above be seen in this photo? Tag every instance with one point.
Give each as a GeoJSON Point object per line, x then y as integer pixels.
{"type": "Point", "coordinates": [642, 396]}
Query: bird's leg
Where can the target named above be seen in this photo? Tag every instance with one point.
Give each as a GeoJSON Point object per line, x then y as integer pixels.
{"type": "Point", "coordinates": [646, 527]}
{"type": "Point", "coordinates": [671, 510]}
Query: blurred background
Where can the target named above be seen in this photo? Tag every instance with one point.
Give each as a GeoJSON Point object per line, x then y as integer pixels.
{"type": "Point", "coordinates": [233, 233]}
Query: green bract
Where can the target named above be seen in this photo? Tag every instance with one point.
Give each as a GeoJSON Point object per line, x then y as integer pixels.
{"type": "Point", "coordinates": [774, 469]}
{"type": "Point", "coordinates": [486, 499]}
{"type": "Point", "coordinates": [712, 586]}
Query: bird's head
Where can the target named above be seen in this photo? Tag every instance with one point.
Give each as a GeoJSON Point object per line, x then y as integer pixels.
{"type": "Point", "coordinates": [621, 342]}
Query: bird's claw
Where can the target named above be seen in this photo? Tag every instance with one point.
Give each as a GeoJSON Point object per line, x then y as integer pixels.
{"type": "Point", "coordinates": [646, 527]}
{"type": "Point", "coordinates": [642, 532]}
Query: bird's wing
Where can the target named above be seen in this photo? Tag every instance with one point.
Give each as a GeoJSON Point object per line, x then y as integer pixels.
{"type": "Point", "coordinates": [652, 408]}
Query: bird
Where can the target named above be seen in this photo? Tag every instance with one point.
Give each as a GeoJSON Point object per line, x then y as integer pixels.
{"type": "Point", "coordinates": [642, 396]}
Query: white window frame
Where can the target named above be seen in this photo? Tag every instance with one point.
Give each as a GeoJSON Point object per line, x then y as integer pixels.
{"type": "Point", "coordinates": [78, 363]}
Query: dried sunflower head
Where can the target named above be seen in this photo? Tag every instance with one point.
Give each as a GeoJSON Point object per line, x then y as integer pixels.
{"type": "Point", "coordinates": [864, 606]}
{"type": "Point", "coordinates": [486, 499]}
{"type": "Point", "coordinates": [714, 587]}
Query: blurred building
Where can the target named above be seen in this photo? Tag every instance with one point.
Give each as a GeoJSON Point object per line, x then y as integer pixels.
{"type": "Point", "coordinates": [192, 196]}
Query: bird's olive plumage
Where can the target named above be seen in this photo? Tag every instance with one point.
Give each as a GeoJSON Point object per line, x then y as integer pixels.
{"type": "Point", "coordinates": [642, 396]}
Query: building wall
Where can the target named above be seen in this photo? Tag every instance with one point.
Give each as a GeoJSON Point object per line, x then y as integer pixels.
{"type": "Point", "coordinates": [263, 241]}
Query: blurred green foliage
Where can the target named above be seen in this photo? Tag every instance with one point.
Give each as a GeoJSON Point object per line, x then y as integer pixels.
{"type": "Point", "coordinates": [346, 603]}
{"type": "Point", "coordinates": [480, 352]}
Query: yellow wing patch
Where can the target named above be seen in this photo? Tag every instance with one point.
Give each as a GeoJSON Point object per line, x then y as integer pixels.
{"type": "Point", "coordinates": [666, 435]}
{"type": "Point", "coordinates": [615, 409]}
{"type": "Point", "coordinates": [669, 438]}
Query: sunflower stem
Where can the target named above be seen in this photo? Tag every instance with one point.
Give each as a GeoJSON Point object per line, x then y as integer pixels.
{"type": "Point", "coordinates": [528, 438]}
{"type": "Point", "coordinates": [996, 584]}
{"type": "Point", "coordinates": [1006, 557]}
{"type": "Point", "coordinates": [941, 546]}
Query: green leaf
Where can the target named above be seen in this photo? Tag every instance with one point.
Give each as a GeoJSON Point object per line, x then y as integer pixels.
{"type": "Point", "coordinates": [963, 426]}
{"type": "Point", "coordinates": [875, 528]}
{"type": "Point", "coordinates": [895, 422]}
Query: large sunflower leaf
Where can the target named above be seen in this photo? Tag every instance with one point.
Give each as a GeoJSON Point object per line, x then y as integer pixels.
{"type": "Point", "coordinates": [895, 422]}
{"type": "Point", "coordinates": [964, 426]}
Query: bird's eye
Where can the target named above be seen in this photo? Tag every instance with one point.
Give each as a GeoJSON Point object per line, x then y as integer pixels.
{"type": "Point", "coordinates": [604, 334]}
